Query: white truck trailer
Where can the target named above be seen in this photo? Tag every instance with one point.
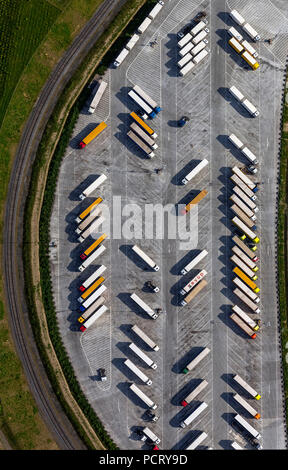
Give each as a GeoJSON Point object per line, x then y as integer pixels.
{"type": "Point", "coordinates": [131, 43]}
{"type": "Point", "coordinates": [93, 186]}
{"type": "Point", "coordinates": [197, 441]}
{"type": "Point", "coordinates": [193, 415]}
{"type": "Point", "coordinates": [235, 34]}
{"type": "Point", "coordinates": [235, 259]}
{"type": "Point", "coordinates": [245, 258]}
{"type": "Point", "coordinates": [187, 48]}
{"type": "Point", "coordinates": [193, 282]}
{"type": "Point", "coordinates": [250, 108]}
{"type": "Point", "coordinates": [250, 48]}
{"type": "Point", "coordinates": [234, 198]}
{"type": "Point", "coordinates": [92, 278]}
{"type": "Point", "coordinates": [235, 141]}
{"type": "Point", "coordinates": [251, 32]}
{"type": "Point", "coordinates": [250, 155]}
{"type": "Point", "coordinates": [144, 25]}
{"type": "Point", "coordinates": [119, 59]}
{"type": "Point", "coordinates": [201, 25]}
{"type": "Point", "coordinates": [199, 47]}
{"type": "Point", "coordinates": [193, 292]}
{"type": "Point", "coordinates": [146, 149]}
{"type": "Point", "coordinates": [251, 391]}
{"type": "Point", "coordinates": [248, 201]}
{"type": "Point", "coordinates": [245, 317]}
{"type": "Point", "coordinates": [92, 257]}
{"type": "Point", "coordinates": [150, 435]}
{"type": "Point", "coordinates": [143, 135]}
{"type": "Point", "coordinates": [254, 307]}
{"type": "Point", "coordinates": [145, 338]}
{"type": "Point", "coordinates": [243, 216]}
{"type": "Point", "coordinates": [247, 426]}
{"type": "Point", "coordinates": [146, 98]}
{"type": "Point", "coordinates": [236, 446]}
{"type": "Point", "coordinates": [138, 100]}
{"type": "Point", "coordinates": [200, 36]}
{"type": "Point", "coordinates": [192, 364]}
{"type": "Point", "coordinates": [91, 309]}
{"type": "Point", "coordinates": [187, 38]}
{"type": "Point", "coordinates": [86, 222]}
{"type": "Point", "coordinates": [237, 17]}
{"type": "Point", "coordinates": [194, 262]}
{"type": "Point", "coordinates": [142, 356]}
{"type": "Point", "coordinates": [143, 396]}
{"type": "Point", "coordinates": [249, 292]}
{"type": "Point", "coordinates": [199, 57]}
{"type": "Point", "coordinates": [154, 12]}
{"type": "Point", "coordinates": [192, 395]}
{"type": "Point", "coordinates": [246, 230]}
{"type": "Point", "coordinates": [245, 248]}
{"type": "Point", "coordinates": [97, 96]}
{"type": "Point", "coordinates": [144, 306]}
{"type": "Point", "coordinates": [145, 258]}
{"type": "Point", "coordinates": [186, 69]}
{"type": "Point", "coordinates": [93, 228]}
{"type": "Point", "coordinates": [187, 58]}
{"type": "Point", "coordinates": [243, 325]}
{"type": "Point", "coordinates": [251, 185]}
{"type": "Point", "coordinates": [95, 316]}
{"type": "Point", "coordinates": [92, 298]}
{"type": "Point", "coordinates": [236, 180]}
{"type": "Point", "coordinates": [195, 171]}
{"type": "Point", "coordinates": [137, 372]}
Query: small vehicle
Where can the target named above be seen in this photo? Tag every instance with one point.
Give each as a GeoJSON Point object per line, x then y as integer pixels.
{"type": "Point", "coordinates": [183, 121]}
{"type": "Point", "coordinates": [200, 16]}
{"type": "Point", "coordinates": [102, 374]}
{"type": "Point", "coordinates": [252, 169]}
{"type": "Point", "coordinates": [152, 286]}
{"type": "Point", "coordinates": [152, 416]}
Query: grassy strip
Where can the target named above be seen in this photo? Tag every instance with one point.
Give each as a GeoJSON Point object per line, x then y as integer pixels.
{"type": "Point", "coordinates": [41, 160]}
{"type": "Point", "coordinates": [283, 249]}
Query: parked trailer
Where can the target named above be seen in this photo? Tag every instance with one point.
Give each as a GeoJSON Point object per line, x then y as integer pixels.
{"type": "Point", "coordinates": [236, 45]}
{"type": "Point", "coordinates": [92, 257]}
{"type": "Point", "coordinates": [197, 441]}
{"type": "Point", "coordinates": [92, 298]}
{"type": "Point", "coordinates": [154, 12]}
{"type": "Point", "coordinates": [143, 135]}
{"type": "Point", "coordinates": [120, 58]}
{"type": "Point", "coordinates": [245, 229]}
{"type": "Point", "coordinates": [193, 282]}
{"type": "Point", "coordinates": [249, 48]}
{"type": "Point", "coordinates": [243, 187]}
{"type": "Point", "coordinates": [246, 279]}
{"type": "Point", "coordinates": [143, 396]}
{"type": "Point", "coordinates": [148, 433]}
{"type": "Point", "coordinates": [192, 395]}
{"type": "Point", "coordinates": [250, 322]}
{"type": "Point", "coordinates": [246, 387]}
{"type": "Point", "coordinates": [254, 307]}
{"type": "Point", "coordinates": [187, 48]}
{"type": "Point", "coordinates": [186, 69]}
{"type": "Point", "coordinates": [90, 289]}
{"type": "Point", "coordinates": [245, 179]}
{"type": "Point", "coordinates": [194, 262]}
{"type": "Point", "coordinates": [93, 186]}
{"type": "Point", "coordinates": [235, 34]}
{"type": "Point", "coordinates": [144, 25]}
{"type": "Point", "coordinates": [88, 210]}
{"type": "Point", "coordinates": [195, 201]}
{"type": "Point", "coordinates": [195, 171]}
{"type": "Point", "coordinates": [201, 25]}
{"type": "Point", "coordinates": [138, 372]}
{"type": "Point", "coordinates": [245, 248]}
{"type": "Point", "coordinates": [131, 43]}
{"type": "Point", "coordinates": [148, 110]}
{"type": "Point", "coordinates": [200, 56]}
{"type": "Point", "coordinates": [250, 108]}
{"type": "Point", "coordinates": [91, 229]}
{"type": "Point", "coordinates": [243, 325]}
{"type": "Point", "coordinates": [95, 316]}
{"type": "Point", "coordinates": [92, 278]}
{"type": "Point", "coordinates": [250, 60]}
{"type": "Point", "coordinates": [187, 38]}
{"type": "Point", "coordinates": [91, 309]}
{"type": "Point", "coordinates": [192, 364]}
{"type": "Point", "coordinates": [187, 58]}
{"type": "Point", "coordinates": [248, 201]}
{"type": "Point", "coordinates": [97, 96]}
{"type": "Point", "coordinates": [236, 446]}
{"type": "Point", "coordinates": [85, 223]}
{"type": "Point", "coordinates": [247, 426]}
{"type": "Point", "coordinates": [93, 246]}
{"type": "Point", "coordinates": [145, 338]}
{"type": "Point", "coordinates": [145, 258]}
{"type": "Point", "coordinates": [144, 306]}
{"type": "Point", "coordinates": [247, 211]}
{"type": "Point", "coordinates": [237, 17]}
{"type": "Point", "coordinates": [98, 129]}
{"type": "Point", "coordinates": [250, 155]}
{"type": "Point", "coordinates": [243, 216]}
{"type": "Point", "coordinates": [141, 144]}
{"type": "Point", "coordinates": [235, 259]}
{"type": "Point", "coordinates": [199, 38]}
{"type": "Point", "coordinates": [147, 98]}
{"type": "Point", "coordinates": [245, 258]}
{"type": "Point", "coordinates": [193, 293]}
{"type": "Point", "coordinates": [199, 47]}
{"type": "Point", "coordinates": [142, 356]}
{"type": "Point", "coordinates": [143, 124]}
{"type": "Point", "coordinates": [235, 141]}
{"type": "Point", "coordinates": [251, 32]}
{"type": "Point", "coordinates": [246, 290]}
{"type": "Point", "coordinates": [236, 93]}
{"type": "Point", "coordinates": [193, 415]}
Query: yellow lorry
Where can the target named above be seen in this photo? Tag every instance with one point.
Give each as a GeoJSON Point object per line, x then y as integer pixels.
{"type": "Point", "coordinates": [98, 129]}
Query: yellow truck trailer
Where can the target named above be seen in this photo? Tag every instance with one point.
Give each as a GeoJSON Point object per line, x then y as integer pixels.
{"type": "Point", "coordinates": [98, 129]}
{"type": "Point", "coordinates": [195, 201]}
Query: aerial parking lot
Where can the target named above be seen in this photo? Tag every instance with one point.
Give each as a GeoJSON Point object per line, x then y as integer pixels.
{"type": "Point", "coordinates": [241, 333]}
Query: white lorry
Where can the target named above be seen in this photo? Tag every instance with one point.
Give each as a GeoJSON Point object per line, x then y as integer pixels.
{"type": "Point", "coordinates": [93, 228]}
{"type": "Point", "coordinates": [235, 34]}
{"type": "Point", "coordinates": [145, 258]}
{"type": "Point", "coordinates": [193, 415]}
{"type": "Point", "coordinates": [194, 262]}
{"type": "Point", "coordinates": [144, 25]}
{"type": "Point", "coordinates": [86, 222]}
{"type": "Point", "coordinates": [144, 306]}
{"type": "Point", "coordinates": [137, 372]}
{"type": "Point", "coordinates": [187, 68]}
{"type": "Point", "coordinates": [246, 199]}
{"type": "Point", "coordinates": [247, 426]}
{"type": "Point", "coordinates": [199, 47]}
{"type": "Point", "coordinates": [187, 48]}
{"type": "Point", "coordinates": [199, 57]}
{"type": "Point", "coordinates": [193, 282]}
{"type": "Point", "coordinates": [236, 180]}
{"type": "Point", "coordinates": [200, 36]}
{"type": "Point", "coordinates": [147, 433]}
{"type": "Point", "coordinates": [243, 207]}
{"type": "Point", "coordinates": [131, 43]}
{"type": "Point", "coordinates": [246, 387]}
{"type": "Point", "coordinates": [250, 48]}
{"type": "Point", "coordinates": [92, 298]}
{"type": "Point", "coordinates": [243, 216]}
{"type": "Point", "coordinates": [143, 135]}
{"type": "Point", "coordinates": [146, 98]}
{"type": "Point", "coordinates": [93, 186]}
{"type": "Point", "coordinates": [245, 258]}
{"type": "Point", "coordinates": [195, 171]}
{"type": "Point", "coordinates": [92, 257]}
{"type": "Point", "coordinates": [142, 356]}
{"type": "Point", "coordinates": [187, 58]}
{"type": "Point", "coordinates": [187, 38]}
{"type": "Point", "coordinates": [197, 441]}
{"type": "Point", "coordinates": [245, 317]}
{"type": "Point", "coordinates": [92, 278]}
{"type": "Point", "coordinates": [245, 248]}
{"type": "Point", "coordinates": [97, 96]}
{"type": "Point", "coordinates": [249, 292]}
{"type": "Point", "coordinates": [250, 155]}
{"type": "Point", "coordinates": [154, 12]}
{"type": "Point", "coordinates": [145, 338]}
{"type": "Point", "coordinates": [237, 17]}
{"type": "Point", "coordinates": [251, 32]}
{"type": "Point", "coordinates": [235, 259]}
{"type": "Point", "coordinates": [251, 185]}
{"type": "Point", "coordinates": [143, 396]}
{"type": "Point", "coordinates": [245, 103]}
{"type": "Point", "coordinates": [254, 307]}
{"type": "Point", "coordinates": [119, 59]}
{"type": "Point", "coordinates": [141, 144]}
{"type": "Point", "coordinates": [201, 25]}
{"type": "Point", "coordinates": [148, 110]}
{"type": "Point", "coordinates": [93, 318]}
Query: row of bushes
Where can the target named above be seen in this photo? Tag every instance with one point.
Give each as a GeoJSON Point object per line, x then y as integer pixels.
{"type": "Point", "coordinates": [44, 237]}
